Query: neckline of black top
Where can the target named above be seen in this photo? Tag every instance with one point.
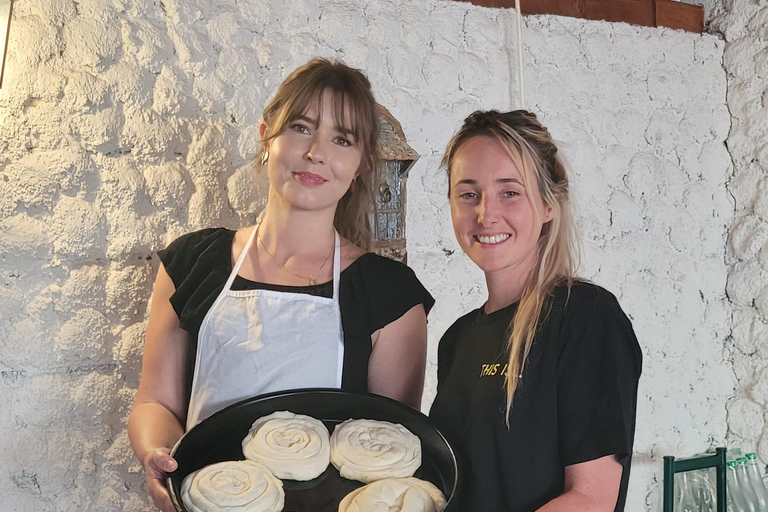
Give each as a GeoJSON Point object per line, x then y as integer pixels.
{"type": "Point", "coordinates": [282, 287]}
{"type": "Point", "coordinates": [506, 312]}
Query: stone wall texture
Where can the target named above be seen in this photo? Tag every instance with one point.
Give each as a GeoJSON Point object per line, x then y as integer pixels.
{"type": "Point", "coordinates": [744, 25]}
{"type": "Point", "coordinates": [124, 124]}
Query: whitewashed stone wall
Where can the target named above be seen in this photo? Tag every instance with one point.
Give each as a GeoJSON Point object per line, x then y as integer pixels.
{"type": "Point", "coordinates": [745, 28]}
{"type": "Point", "coordinates": [124, 124]}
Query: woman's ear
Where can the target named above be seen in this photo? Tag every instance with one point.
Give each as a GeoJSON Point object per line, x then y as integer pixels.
{"type": "Point", "coordinates": [262, 130]}
{"type": "Point", "coordinates": [549, 214]}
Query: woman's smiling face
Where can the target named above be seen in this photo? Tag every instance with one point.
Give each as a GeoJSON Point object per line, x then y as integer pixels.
{"type": "Point", "coordinates": [313, 160]}
{"type": "Point", "coordinates": [497, 221]}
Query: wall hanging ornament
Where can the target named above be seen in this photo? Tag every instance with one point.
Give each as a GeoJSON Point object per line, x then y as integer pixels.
{"type": "Point", "coordinates": [388, 188]}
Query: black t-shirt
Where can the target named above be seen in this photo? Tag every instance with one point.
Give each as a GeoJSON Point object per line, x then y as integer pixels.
{"type": "Point", "coordinates": [373, 291]}
{"type": "Point", "coordinates": [576, 400]}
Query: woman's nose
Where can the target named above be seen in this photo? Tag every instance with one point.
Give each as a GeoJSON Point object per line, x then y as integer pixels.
{"type": "Point", "coordinates": [487, 214]}
{"type": "Point", "coordinates": [316, 152]}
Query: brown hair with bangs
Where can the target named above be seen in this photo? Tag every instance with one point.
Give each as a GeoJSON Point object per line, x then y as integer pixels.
{"type": "Point", "coordinates": [353, 103]}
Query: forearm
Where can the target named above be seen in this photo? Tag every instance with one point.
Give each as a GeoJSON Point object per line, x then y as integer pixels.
{"type": "Point", "coordinates": [591, 486]}
{"type": "Point", "coordinates": [574, 501]}
{"type": "Point", "coordinates": [151, 425]}
{"type": "Point", "coordinates": [398, 358]}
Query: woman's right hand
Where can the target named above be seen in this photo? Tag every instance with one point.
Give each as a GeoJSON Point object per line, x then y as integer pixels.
{"type": "Point", "coordinates": [157, 465]}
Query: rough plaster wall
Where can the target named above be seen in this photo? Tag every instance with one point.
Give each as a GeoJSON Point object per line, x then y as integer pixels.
{"type": "Point", "coordinates": [745, 28]}
{"type": "Point", "coordinates": [126, 123]}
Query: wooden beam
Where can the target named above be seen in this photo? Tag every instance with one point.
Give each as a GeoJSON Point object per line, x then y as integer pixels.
{"type": "Point", "coordinates": [679, 15]}
{"type": "Point", "coordinates": [648, 13]}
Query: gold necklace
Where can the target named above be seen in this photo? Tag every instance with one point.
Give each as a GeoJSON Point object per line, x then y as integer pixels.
{"type": "Point", "coordinates": [311, 279]}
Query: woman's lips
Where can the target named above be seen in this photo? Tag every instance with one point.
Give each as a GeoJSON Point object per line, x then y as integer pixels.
{"type": "Point", "coordinates": [309, 178]}
{"type": "Point", "coordinates": [492, 239]}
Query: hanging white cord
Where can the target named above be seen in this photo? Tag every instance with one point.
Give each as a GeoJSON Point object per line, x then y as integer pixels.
{"type": "Point", "coordinates": [519, 17]}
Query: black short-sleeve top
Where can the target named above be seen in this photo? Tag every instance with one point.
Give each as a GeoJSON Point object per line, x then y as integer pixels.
{"type": "Point", "coordinates": [576, 400]}
{"type": "Point", "coordinates": [373, 292]}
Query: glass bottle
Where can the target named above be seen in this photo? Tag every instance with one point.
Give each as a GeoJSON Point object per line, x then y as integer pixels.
{"type": "Point", "coordinates": [750, 499]}
{"type": "Point", "coordinates": [685, 500]}
{"type": "Point", "coordinates": [703, 490]}
{"type": "Point", "coordinates": [756, 481]}
{"type": "Point", "coordinates": [735, 496]}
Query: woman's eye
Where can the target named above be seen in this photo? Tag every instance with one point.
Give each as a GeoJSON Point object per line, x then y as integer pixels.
{"type": "Point", "coordinates": [300, 128]}
{"type": "Point", "coordinates": [343, 141]}
{"type": "Point", "coordinates": [511, 193]}
{"type": "Point", "coordinates": [467, 196]}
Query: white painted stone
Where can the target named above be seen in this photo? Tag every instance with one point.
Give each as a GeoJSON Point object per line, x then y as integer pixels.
{"type": "Point", "coordinates": [256, 14]}
{"type": "Point", "coordinates": [387, 30]}
{"type": "Point", "coordinates": [127, 288]}
{"type": "Point", "coordinates": [247, 189]}
{"type": "Point", "coordinates": [761, 302]}
{"type": "Point", "coordinates": [749, 330]}
{"type": "Point", "coordinates": [745, 280]}
{"type": "Point", "coordinates": [744, 186]}
{"type": "Point", "coordinates": [745, 418]}
{"type": "Point", "coordinates": [748, 237]}
{"type": "Point", "coordinates": [84, 339]}
{"type": "Point", "coordinates": [150, 46]}
{"type": "Point", "coordinates": [221, 29]}
{"type": "Point", "coordinates": [405, 67]}
{"type": "Point", "coordinates": [85, 287]}
{"type": "Point", "coordinates": [762, 257]}
{"type": "Point", "coordinates": [76, 228]}
{"type": "Point", "coordinates": [483, 29]}
{"type": "Point", "coordinates": [759, 391]}
{"type": "Point", "coordinates": [762, 449]}
{"type": "Point", "coordinates": [440, 74]}
{"type": "Point", "coordinates": [92, 43]}
{"type": "Point", "coordinates": [166, 185]}
{"type": "Point", "coordinates": [129, 352]}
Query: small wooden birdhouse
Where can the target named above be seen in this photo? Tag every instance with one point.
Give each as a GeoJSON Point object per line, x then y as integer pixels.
{"type": "Point", "coordinates": [388, 222]}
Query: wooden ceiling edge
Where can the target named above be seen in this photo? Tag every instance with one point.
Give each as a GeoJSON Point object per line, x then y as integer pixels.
{"type": "Point", "coordinates": [678, 15]}
{"type": "Point", "coordinates": [661, 13]}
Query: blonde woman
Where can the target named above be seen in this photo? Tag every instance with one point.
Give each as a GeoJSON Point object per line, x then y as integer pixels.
{"type": "Point", "coordinates": [537, 388]}
{"type": "Point", "coordinates": [294, 301]}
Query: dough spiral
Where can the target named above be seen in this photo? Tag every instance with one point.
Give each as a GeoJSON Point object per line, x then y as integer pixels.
{"type": "Point", "coordinates": [291, 446]}
{"type": "Point", "coordinates": [232, 486]}
{"type": "Point", "coordinates": [394, 495]}
{"type": "Point", "coordinates": [368, 450]}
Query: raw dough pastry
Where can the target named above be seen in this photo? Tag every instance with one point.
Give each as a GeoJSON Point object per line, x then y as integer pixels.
{"type": "Point", "coordinates": [368, 450]}
{"type": "Point", "coordinates": [232, 486]}
{"type": "Point", "coordinates": [292, 446]}
{"type": "Point", "coordinates": [394, 495]}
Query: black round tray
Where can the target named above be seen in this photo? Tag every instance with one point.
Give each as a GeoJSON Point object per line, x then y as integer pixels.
{"type": "Point", "coordinates": [219, 438]}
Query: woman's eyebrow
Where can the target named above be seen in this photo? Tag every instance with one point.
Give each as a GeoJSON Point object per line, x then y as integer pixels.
{"type": "Point", "coordinates": [344, 130]}
{"type": "Point", "coordinates": [500, 180]}
{"type": "Point", "coordinates": [307, 119]}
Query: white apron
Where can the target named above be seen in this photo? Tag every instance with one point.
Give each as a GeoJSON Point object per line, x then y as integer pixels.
{"type": "Point", "coordinates": [253, 342]}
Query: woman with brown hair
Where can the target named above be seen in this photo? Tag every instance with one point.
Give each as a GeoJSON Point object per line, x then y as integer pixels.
{"type": "Point", "coordinates": [294, 301]}
{"type": "Point", "coordinates": [537, 389]}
